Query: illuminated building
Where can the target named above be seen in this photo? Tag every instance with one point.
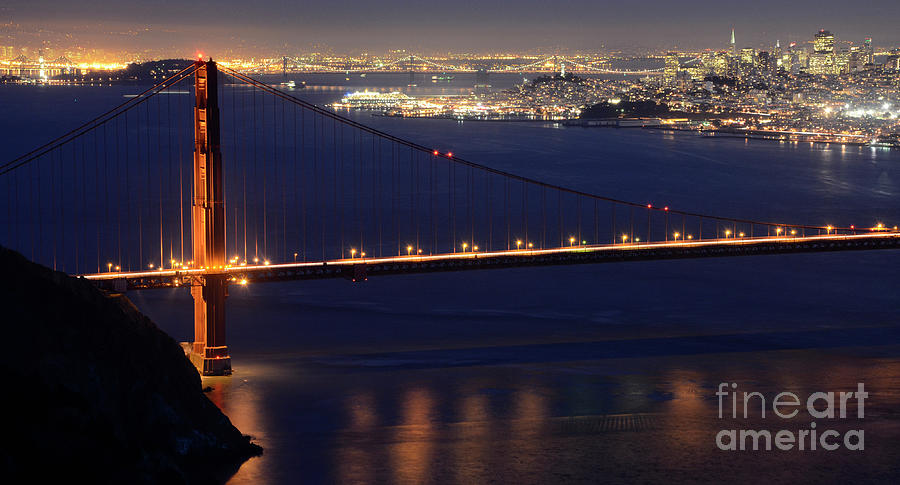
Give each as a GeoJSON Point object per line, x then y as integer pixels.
{"type": "Point", "coordinates": [786, 61]}
{"type": "Point", "coordinates": [776, 56]}
{"type": "Point", "coordinates": [721, 64]}
{"type": "Point", "coordinates": [821, 63]}
{"type": "Point", "coordinates": [801, 58]}
{"type": "Point", "coordinates": [824, 42]}
{"type": "Point", "coordinates": [748, 56]}
{"type": "Point", "coordinates": [672, 66]}
{"type": "Point", "coordinates": [842, 61]}
{"type": "Point", "coordinates": [764, 60]}
{"type": "Point", "coordinates": [822, 60]}
{"type": "Point", "coordinates": [733, 46]}
{"type": "Point", "coordinates": [868, 51]}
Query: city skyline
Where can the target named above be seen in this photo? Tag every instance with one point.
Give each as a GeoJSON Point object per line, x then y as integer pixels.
{"type": "Point", "coordinates": [267, 28]}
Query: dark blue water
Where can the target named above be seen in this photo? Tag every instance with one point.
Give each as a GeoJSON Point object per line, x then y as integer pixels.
{"type": "Point", "coordinates": [579, 374]}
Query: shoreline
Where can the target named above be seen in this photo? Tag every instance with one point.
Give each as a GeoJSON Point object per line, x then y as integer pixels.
{"type": "Point", "coordinates": [775, 136]}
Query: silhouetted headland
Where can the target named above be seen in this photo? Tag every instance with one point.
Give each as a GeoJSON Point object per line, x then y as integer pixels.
{"type": "Point", "coordinates": [94, 391]}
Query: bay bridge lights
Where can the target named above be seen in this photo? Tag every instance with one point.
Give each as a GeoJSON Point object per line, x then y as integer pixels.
{"type": "Point", "coordinates": [414, 62]}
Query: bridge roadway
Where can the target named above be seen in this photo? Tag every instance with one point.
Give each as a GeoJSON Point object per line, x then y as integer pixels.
{"type": "Point", "coordinates": [359, 269]}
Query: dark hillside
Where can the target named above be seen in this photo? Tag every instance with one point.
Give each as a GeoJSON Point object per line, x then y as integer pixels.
{"type": "Point", "coordinates": [95, 392]}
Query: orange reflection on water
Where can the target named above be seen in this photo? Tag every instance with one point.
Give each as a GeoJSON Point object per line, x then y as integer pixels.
{"type": "Point", "coordinates": [526, 432]}
{"type": "Point", "coordinates": [687, 420]}
{"type": "Point", "coordinates": [411, 455]}
{"type": "Point", "coordinates": [355, 462]}
{"type": "Point", "coordinates": [241, 406]}
{"type": "Point", "coordinates": [361, 409]}
{"type": "Point", "coordinates": [471, 439]}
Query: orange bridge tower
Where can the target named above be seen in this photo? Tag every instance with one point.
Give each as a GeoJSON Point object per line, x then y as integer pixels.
{"type": "Point", "coordinates": [209, 353]}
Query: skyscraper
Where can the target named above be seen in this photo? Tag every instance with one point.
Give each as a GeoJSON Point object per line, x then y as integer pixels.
{"type": "Point", "coordinates": [673, 64]}
{"type": "Point", "coordinates": [748, 56]}
{"type": "Point", "coordinates": [869, 51]}
{"type": "Point", "coordinates": [822, 60]}
{"type": "Point", "coordinates": [824, 42]}
{"type": "Point", "coordinates": [733, 46]}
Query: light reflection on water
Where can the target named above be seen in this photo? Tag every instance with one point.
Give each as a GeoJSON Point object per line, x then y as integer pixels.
{"type": "Point", "coordinates": [510, 424]}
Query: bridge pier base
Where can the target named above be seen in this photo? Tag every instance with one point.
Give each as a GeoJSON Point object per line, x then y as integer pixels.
{"type": "Point", "coordinates": [211, 366]}
{"type": "Point", "coordinates": [208, 353]}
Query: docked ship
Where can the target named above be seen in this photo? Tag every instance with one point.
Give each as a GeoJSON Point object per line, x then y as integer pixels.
{"type": "Point", "coordinates": [292, 85]}
{"type": "Point", "coordinates": [373, 100]}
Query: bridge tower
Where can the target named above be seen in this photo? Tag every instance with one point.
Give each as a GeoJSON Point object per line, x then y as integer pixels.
{"type": "Point", "coordinates": [208, 352]}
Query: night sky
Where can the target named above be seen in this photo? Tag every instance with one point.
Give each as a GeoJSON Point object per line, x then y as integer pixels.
{"type": "Point", "coordinates": [465, 25]}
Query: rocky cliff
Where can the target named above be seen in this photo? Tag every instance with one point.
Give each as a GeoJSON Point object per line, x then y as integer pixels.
{"type": "Point", "coordinates": [93, 390]}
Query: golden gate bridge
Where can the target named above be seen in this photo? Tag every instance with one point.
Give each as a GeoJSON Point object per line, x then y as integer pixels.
{"type": "Point", "coordinates": [164, 191]}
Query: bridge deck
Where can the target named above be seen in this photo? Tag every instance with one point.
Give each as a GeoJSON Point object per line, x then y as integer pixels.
{"type": "Point", "coordinates": [360, 269]}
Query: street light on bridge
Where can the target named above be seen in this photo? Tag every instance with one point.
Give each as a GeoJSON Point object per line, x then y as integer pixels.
{"type": "Point", "coordinates": [518, 244]}
{"type": "Point", "coordinates": [409, 250]}
{"type": "Point", "coordinates": [624, 238]}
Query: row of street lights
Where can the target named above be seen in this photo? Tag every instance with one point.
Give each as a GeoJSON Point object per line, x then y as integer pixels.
{"type": "Point", "coordinates": [574, 242]}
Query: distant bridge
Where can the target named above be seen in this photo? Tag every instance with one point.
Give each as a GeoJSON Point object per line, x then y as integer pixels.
{"type": "Point", "coordinates": [417, 63]}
